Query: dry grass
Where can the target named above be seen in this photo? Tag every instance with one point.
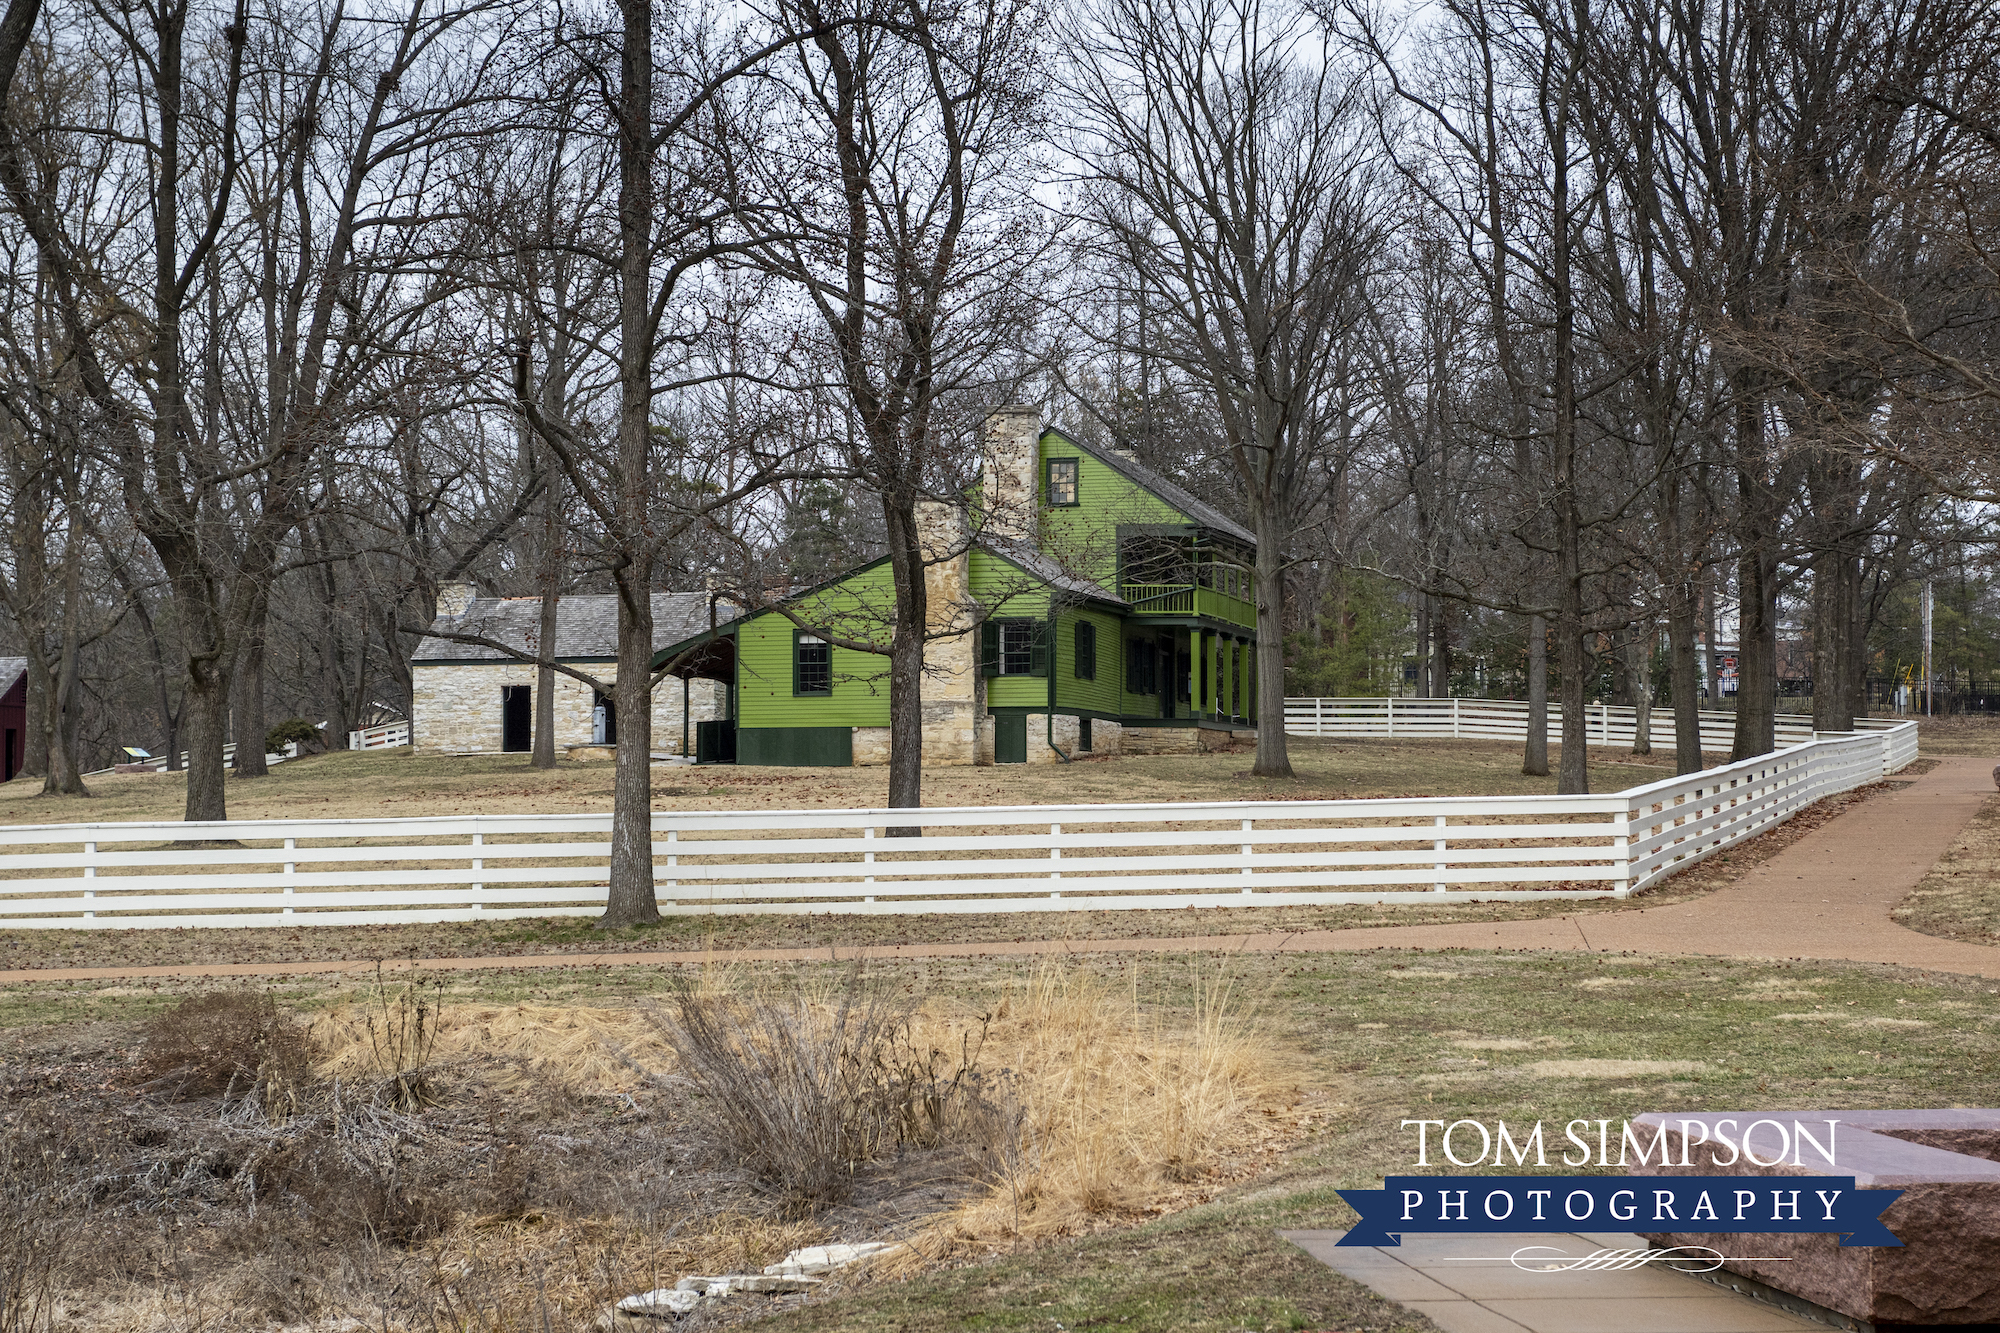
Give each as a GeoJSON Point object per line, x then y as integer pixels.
{"type": "Point", "coordinates": [583, 1051]}
{"type": "Point", "coordinates": [391, 783]}
{"type": "Point", "coordinates": [1975, 734]}
{"type": "Point", "coordinates": [1118, 1110]}
{"type": "Point", "coordinates": [1960, 897]}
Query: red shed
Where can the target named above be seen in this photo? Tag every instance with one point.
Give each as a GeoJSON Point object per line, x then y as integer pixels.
{"type": "Point", "coordinates": [13, 715]}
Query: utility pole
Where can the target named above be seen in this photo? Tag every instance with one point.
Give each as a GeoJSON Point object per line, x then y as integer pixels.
{"type": "Point", "coordinates": [1927, 648]}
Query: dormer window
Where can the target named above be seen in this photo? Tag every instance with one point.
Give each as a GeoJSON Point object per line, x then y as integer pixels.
{"type": "Point", "coordinates": [1062, 478]}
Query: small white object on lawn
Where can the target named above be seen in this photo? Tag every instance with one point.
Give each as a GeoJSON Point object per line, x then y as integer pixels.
{"type": "Point", "coordinates": [826, 1258]}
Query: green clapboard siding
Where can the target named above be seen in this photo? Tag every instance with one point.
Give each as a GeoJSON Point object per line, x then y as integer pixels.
{"type": "Point", "coordinates": [796, 747]}
{"type": "Point", "coordinates": [860, 695]}
{"type": "Point", "coordinates": [1102, 694]}
{"type": "Point", "coordinates": [1085, 537]}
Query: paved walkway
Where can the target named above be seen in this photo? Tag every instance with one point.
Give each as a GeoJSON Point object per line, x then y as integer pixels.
{"type": "Point", "coordinates": [1828, 895]}
{"type": "Point", "coordinates": [1463, 1285]}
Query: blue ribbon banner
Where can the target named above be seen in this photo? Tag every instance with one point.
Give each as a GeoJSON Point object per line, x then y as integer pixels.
{"type": "Point", "coordinates": [1732, 1205]}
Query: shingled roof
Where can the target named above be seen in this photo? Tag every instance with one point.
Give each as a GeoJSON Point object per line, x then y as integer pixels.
{"type": "Point", "coordinates": [1201, 511]}
{"type": "Point", "coordinates": [586, 626]}
{"type": "Point", "coordinates": [11, 670]}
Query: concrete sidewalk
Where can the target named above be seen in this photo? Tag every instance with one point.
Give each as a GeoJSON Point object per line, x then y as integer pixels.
{"type": "Point", "coordinates": [1464, 1284]}
{"type": "Point", "coordinates": [1828, 896]}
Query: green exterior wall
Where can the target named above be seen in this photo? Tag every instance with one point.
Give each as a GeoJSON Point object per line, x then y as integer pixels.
{"type": "Point", "coordinates": [1085, 537]}
{"type": "Point", "coordinates": [796, 747]}
{"type": "Point", "coordinates": [860, 695]}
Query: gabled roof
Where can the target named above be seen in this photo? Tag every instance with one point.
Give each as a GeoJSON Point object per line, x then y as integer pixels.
{"type": "Point", "coordinates": [586, 626]}
{"type": "Point", "coordinates": [1201, 512]}
{"type": "Point", "coordinates": [1051, 572]}
{"type": "Point", "coordinates": [11, 671]}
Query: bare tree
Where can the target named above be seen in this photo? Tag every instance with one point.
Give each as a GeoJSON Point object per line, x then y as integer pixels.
{"type": "Point", "coordinates": [1231, 172]}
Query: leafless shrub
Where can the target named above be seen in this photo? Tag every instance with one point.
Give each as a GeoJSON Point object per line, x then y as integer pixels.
{"type": "Point", "coordinates": [37, 1232]}
{"type": "Point", "coordinates": [403, 1034]}
{"type": "Point", "coordinates": [805, 1092]}
{"type": "Point", "coordinates": [231, 1042]}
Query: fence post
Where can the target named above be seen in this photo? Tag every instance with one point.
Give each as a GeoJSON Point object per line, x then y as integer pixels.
{"type": "Point", "coordinates": [868, 858]}
{"type": "Point", "coordinates": [1391, 701]}
{"type": "Point", "coordinates": [1055, 851]}
{"type": "Point", "coordinates": [90, 875]}
{"type": "Point", "coordinates": [1248, 869]}
{"type": "Point", "coordinates": [1438, 847]}
{"type": "Point", "coordinates": [291, 869]}
{"type": "Point", "coordinates": [478, 865]}
{"type": "Point", "coordinates": [1454, 717]}
{"type": "Point", "coordinates": [1621, 855]}
{"type": "Point", "coordinates": [674, 864]}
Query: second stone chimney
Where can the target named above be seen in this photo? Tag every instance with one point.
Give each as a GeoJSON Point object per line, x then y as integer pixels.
{"type": "Point", "coordinates": [1009, 486]}
{"type": "Point", "coordinates": [454, 598]}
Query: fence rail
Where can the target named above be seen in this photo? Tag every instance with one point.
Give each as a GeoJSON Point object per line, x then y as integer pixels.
{"type": "Point", "coordinates": [1507, 719]}
{"type": "Point", "coordinates": [381, 737]}
{"type": "Point", "coordinates": [292, 872]}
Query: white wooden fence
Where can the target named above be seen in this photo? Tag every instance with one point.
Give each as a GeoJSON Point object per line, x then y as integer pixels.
{"type": "Point", "coordinates": [1507, 719]}
{"type": "Point", "coordinates": [968, 859]}
{"type": "Point", "coordinates": [383, 737]}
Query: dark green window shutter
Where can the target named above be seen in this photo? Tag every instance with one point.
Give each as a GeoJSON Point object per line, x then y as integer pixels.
{"type": "Point", "coordinates": [1086, 650]}
{"type": "Point", "coordinates": [1038, 659]}
{"type": "Point", "coordinates": [989, 648]}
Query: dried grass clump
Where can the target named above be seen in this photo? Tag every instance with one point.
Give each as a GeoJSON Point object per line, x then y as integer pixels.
{"type": "Point", "coordinates": [1114, 1106]}
{"type": "Point", "coordinates": [228, 1042]}
{"type": "Point", "coordinates": [588, 1052]}
{"type": "Point", "coordinates": [804, 1089]}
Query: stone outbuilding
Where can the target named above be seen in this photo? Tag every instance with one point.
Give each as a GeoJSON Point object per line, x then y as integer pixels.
{"type": "Point", "coordinates": [468, 698]}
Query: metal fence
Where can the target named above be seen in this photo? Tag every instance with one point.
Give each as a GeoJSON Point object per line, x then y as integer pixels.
{"type": "Point", "coordinates": [968, 859]}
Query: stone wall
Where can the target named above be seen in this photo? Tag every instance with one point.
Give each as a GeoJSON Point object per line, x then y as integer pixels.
{"type": "Point", "coordinates": [456, 708]}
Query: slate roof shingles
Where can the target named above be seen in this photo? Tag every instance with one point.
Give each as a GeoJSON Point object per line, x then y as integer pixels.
{"type": "Point", "coordinates": [586, 626]}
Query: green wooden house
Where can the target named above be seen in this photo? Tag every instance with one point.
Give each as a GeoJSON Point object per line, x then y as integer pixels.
{"type": "Point", "coordinates": [1092, 607]}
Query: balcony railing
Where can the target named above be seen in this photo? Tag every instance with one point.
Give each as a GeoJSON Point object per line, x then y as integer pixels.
{"type": "Point", "coordinates": [1187, 599]}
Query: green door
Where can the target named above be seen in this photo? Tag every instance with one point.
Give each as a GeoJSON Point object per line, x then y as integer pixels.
{"type": "Point", "coordinates": [1010, 738]}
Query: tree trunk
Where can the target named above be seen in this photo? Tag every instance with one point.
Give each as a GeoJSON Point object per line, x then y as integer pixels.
{"type": "Point", "coordinates": [630, 901]}
{"type": "Point", "coordinates": [35, 741]}
{"type": "Point", "coordinates": [1423, 653]}
{"type": "Point", "coordinates": [1756, 654]}
{"type": "Point", "coordinates": [1711, 595]}
{"type": "Point", "coordinates": [250, 720]}
{"type": "Point", "coordinates": [1267, 682]}
{"type": "Point", "coordinates": [65, 777]}
{"type": "Point", "coordinates": [1639, 684]}
{"type": "Point", "coordinates": [1573, 663]}
{"type": "Point", "coordinates": [906, 661]}
{"type": "Point", "coordinates": [1686, 677]}
{"type": "Point", "coordinates": [1535, 752]}
{"type": "Point", "coordinates": [545, 680]}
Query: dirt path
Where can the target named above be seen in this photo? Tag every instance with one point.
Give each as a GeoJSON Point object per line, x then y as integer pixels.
{"type": "Point", "coordinates": [1828, 895]}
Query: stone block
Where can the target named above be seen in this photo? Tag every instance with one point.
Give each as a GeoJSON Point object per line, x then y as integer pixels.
{"type": "Point", "coordinates": [871, 746]}
{"type": "Point", "coordinates": [1161, 740]}
{"type": "Point", "coordinates": [1947, 1163]}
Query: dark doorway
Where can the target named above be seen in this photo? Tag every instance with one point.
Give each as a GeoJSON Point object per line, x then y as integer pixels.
{"type": "Point", "coordinates": [8, 761]}
{"type": "Point", "coordinates": [604, 721]}
{"type": "Point", "coordinates": [1010, 738]}
{"type": "Point", "coordinates": [517, 718]}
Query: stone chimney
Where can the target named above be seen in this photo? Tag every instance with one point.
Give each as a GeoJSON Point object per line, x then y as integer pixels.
{"type": "Point", "coordinates": [454, 598]}
{"type": "Point", "coordinates": [1011, 440]}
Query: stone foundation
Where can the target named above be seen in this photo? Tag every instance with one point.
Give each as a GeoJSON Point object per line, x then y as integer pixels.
{"type": "Point", "coordinates": [455, 709]}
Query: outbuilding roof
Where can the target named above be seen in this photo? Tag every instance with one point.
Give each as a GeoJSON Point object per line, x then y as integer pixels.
{"type": "Point", "coordinates": [586, 626]}
{"type": "Point", "coordinates": [11, 671]}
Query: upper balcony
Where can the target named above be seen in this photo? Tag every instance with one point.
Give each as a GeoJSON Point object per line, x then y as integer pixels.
{"type": "Point", "coordinates": [1188, 599]}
